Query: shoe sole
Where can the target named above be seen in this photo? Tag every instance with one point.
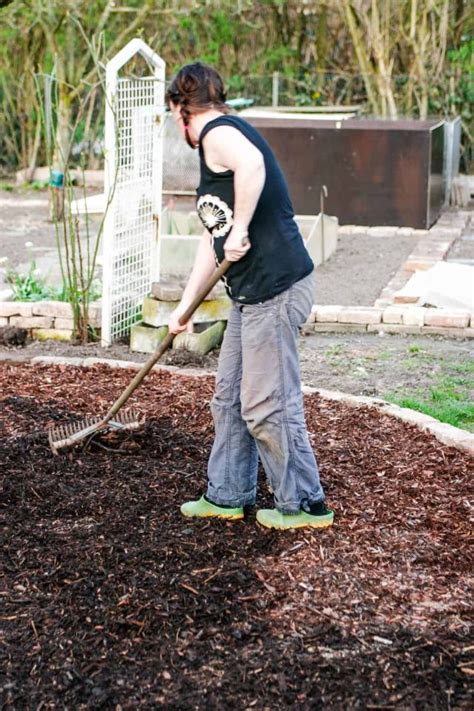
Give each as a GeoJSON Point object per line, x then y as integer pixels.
{"type": "Point", "coordinates": [326, 524]}
{"type": "Point", "coordinates": [229, 517]}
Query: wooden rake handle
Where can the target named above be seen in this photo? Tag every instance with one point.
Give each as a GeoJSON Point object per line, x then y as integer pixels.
{"type": "Point", "coordinates": [167, 341]}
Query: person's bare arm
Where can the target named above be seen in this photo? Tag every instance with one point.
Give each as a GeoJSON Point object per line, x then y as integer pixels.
{"type": "Point", "coordinates": [226, 148]}
{"type": "Point", "coordinates": [203, 268]}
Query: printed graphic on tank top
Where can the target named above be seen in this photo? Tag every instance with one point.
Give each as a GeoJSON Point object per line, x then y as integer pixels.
{"type": "Point", "coordinates": [277, 257]}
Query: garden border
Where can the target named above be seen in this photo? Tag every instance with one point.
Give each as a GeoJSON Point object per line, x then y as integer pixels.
{"type": "Point", "coordinates": [443, 432]}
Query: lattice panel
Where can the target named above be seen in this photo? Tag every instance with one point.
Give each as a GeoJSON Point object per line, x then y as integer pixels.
{"type": "Point", "coordinates": [134, 182]}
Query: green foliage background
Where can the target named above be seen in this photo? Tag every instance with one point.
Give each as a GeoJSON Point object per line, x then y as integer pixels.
{"type": "Point", "coordinates": [403, 57]}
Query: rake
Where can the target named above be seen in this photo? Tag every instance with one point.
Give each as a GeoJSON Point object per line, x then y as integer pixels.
{"type": "Point", "coordinates": [63, 436]}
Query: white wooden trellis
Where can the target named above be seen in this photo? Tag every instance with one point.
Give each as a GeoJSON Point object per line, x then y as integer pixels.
{"type": "Point", "coordinates": [133, 185]}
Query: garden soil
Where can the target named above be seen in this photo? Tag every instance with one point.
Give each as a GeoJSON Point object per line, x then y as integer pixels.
{"type": "Point", "coordinates": [356, 363]}
{"type": "Point", "coordinates": [110, 599]}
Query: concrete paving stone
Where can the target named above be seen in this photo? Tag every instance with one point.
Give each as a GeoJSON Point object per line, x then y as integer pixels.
{"type": "Point", "coordinates": [203, 342]}
{"type": "Point", "coordinates": [16, 308]}
{"type": "Point", "coordinates": [406, 299]}
{"type": "Point", "coordinates": [339, 327]}
{"type": "Point", "coordinates": [394, 328]}
{"type": "Point", "coordinates": [414, 316]}
{"type": "Point", "coordinates": [383, 231]}
{"type": "Point", "coordinates": [392, 314]}
{"type": "Point", "coordinates": [56, 360]}
{"type": "Point", "coordinates": [157, 313]}
{"type": "Point", "coordinates": [327, 313]}
{"type": "Point", "coordinates": [51, 334]}
{"type": "Point", "coordinates": [405, 231]}
{"type": "Point", "coordinates": [452, 436]}
{"type": "Point", "coordinates": [146, 339]}
{"type": "Point", "coordinates": [447, 332]}
{"type": "Point", "coordinates": [61, 309]}
{"type": "Point", "coordinates": [382, 303]}
{"type": "Point", "coordinates": [167, 290]}
{"type": "Point", "coordinates": [360, 314]}
{"type": "Point", "coordinates": [345, 229]}
{"type": "Point", "coordinates": [413, 265]}
{"type": "Point", "coordinates": [31, 321]}
{"type": "Point", "coordinates": [67, 323]}
{"type": "Point", "coordinates": [451, 232]}
{"type": "Point", "coordinates": [411, 416]}
{"type": "Point", "coordinates": [360, 229]}
{"type": "Point", "coordinates": [447, 318]}
{"type": "Point", "coordinates": [312, 317]}
{"type": "Point", "coordinates": [112, 363]}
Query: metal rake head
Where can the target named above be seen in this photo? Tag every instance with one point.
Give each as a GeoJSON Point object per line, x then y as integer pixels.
{"type": "Point", "coordinates": [62, 436]}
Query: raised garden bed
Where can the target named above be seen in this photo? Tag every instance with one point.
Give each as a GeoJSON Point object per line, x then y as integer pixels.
{"type": "Point", "coordinates": [111, 598]}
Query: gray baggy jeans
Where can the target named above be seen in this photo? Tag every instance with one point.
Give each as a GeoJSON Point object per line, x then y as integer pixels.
{"type": "Point", "coordinates": [258, 406]}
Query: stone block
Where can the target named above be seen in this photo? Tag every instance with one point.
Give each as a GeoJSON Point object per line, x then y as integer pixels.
{"type": "Point", "coordinates": [452, 436]}
{"type": "Point", "coordinates": [64, 323]}
{"type": "Point", "coordinates": [3, 321]}
{"type": "Point", "coordinates": [392, 314]}
{"type": "Point", "coordinates": [414, 265]}
{"type": "Point", "coordinates": [95, 314]}
{"type": "Point", "coordinates": [383, 231]}
{"type": "Point", "coordinates": [339, 328]}
{"type": "Point", "coordinates": [445, 232]}
{"type": "Point", "coordinates": [31, 321]}
{"type": "Point", "coordinates": [16, 308]}
{"type": "Point", "coordinates": [111, 363]}
{"type": "Point", "coordinates": [360, 314]}
{"type": "Point", "coordinates": [167, 290]}
{"type": "Point", "coordinates": [414, 316]}
{"type": "Point", "coordinates": [447, 319]}
{"type": "Point", "coordinates": [405, 231]}
{"type": "Point", "coordinates": [446, 332]}
{"type": "Point", "coordinates": [146, 339]}
{"type": "Point", "coordinates": [382, 303]}
{"type": "Point", "coordinates": [51, 334]}
{"type": "Point", "coordinates": [56, 360]}
{"type": "Point", "coordinates": [329, 313]}
{"type": "Point", "coordinates": [157, 313]}
{"type": "Point", "coordinates": [201, 342]}
{"type": "Point", "coordinates": [405, 299]}
{"type": "Point", "coordinates": [61, 309]}
{"type": "Point", "coordinates": [394, 328]}
{"type": "Point", "coordinates": [468, 332]}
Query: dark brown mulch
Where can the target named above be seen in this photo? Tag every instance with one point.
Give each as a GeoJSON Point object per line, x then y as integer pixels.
{"type": "Point", "coordinates": [111, 600]}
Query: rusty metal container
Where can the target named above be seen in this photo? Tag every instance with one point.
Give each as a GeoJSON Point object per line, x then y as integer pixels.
{"type": "Point", "coordinates": [378, 172]}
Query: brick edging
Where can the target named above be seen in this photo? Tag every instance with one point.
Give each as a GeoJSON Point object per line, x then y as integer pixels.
{"type": "Point", "coordinates": [447, 434]}
{"type": "Point", "coordinates": [399, 318]}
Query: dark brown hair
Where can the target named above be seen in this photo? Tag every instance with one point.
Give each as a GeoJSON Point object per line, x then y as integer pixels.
{"type": "Point", "coordinates": [196, 88]}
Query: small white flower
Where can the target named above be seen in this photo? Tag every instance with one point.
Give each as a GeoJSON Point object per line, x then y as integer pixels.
{"type": "Point", "coordinates": [28, 245]}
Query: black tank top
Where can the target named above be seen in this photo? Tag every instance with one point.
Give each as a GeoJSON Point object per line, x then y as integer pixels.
{"type": "Point", "coordinates": [277, 258]}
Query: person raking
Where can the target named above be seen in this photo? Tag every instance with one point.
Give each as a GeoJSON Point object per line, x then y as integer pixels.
{"type": "Point", "coordinates": [243, 202]}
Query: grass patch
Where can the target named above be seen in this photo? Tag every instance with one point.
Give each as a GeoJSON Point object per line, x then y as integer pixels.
{"type": "Point", "coordinates": [445, 401]}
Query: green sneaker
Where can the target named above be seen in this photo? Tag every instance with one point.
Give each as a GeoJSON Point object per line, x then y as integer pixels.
{"type": "Point", "coordinates": [271, 518]}
{"type": "Point", "coordinates": [206, 509]}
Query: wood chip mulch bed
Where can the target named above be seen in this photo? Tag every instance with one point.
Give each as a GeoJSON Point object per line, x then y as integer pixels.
{"type": "Point", "coordinates": [110, 599]}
